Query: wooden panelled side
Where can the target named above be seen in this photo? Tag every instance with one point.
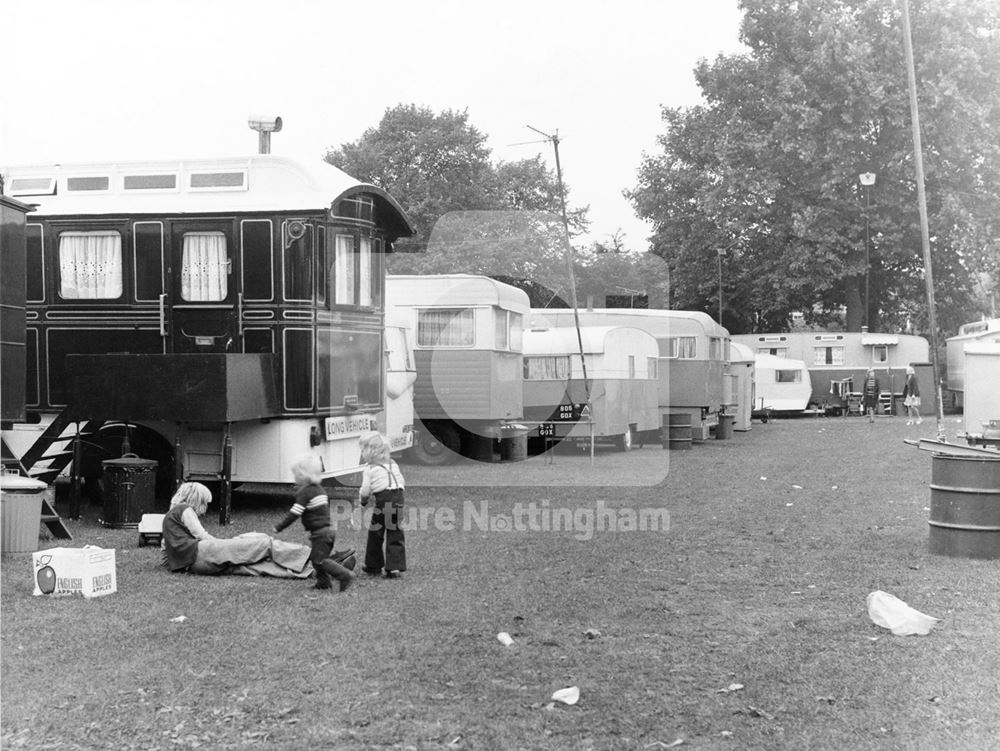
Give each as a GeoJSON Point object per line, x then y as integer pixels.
{"type": "Point", "coordinates": [12, 288]}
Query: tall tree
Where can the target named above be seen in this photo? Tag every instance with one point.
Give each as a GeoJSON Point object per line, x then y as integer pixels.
{"type": "Point", "coordinates": [472, 215]}
{"type": "Point", "coordinates": [766, 171]}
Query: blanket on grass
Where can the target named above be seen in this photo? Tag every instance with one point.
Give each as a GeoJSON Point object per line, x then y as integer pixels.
{"type": "Point", "coordinates": [287, 560]}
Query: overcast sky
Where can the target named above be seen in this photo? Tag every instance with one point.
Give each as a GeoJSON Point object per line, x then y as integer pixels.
{"type": "Point", "coordinates": [129, 79]}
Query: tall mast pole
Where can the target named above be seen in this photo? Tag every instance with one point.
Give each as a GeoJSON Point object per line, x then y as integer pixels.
{"type": "Point", "coordinates": [568, 252]}
{"type": "Point", "coordinates": [918, 163]}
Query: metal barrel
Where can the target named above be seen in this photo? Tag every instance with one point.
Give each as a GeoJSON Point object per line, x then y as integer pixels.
{"type": "Point", "coordinates": [676, 434]}
{"type": "Point", "coordinates": [965, 506]}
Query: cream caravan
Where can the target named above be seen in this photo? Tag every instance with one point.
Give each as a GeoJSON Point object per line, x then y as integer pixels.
{"type": "Point", "coordinates": [693, 353]}
{"type": "Point", "coordinates": [616, 402]}
{"type": "Point", "coordinates": [467, 338]}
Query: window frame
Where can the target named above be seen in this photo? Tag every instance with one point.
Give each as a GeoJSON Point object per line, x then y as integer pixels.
{"type": "Point", "coordinates": [456, 311]}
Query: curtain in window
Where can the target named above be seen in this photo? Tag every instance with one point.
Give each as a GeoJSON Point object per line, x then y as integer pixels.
{"type": "Point", "coordinates": [684, 347]}
{"type": "Point", "coordinates": [90, 265]}
{"type": "Point", "coordinates": [549, 368]}
{"type": "Point", "coordinates": [828, 356]}
{"type": "Point", "coordinates": [445, 328]}
{"type": "Point", "coordinates": [365, 272]}
{"type": "Point", "coordinates": [204, 267]}
{"type": "Point", "coordinates": [344, 270]}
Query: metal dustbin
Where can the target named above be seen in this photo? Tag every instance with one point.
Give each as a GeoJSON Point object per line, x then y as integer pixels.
{"type": "Point", "coordinates": [20, 513]}
{"type": "Point", "coordinates": [129, 491]}
{"type": "Point", "coordinates": [514, 443]}
{"type": "Point", "coordinates": [724, 430]}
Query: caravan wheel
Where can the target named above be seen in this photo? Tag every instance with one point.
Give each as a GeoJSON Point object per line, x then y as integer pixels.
{"type": "Point", "coordinates": [626, 441]}
{"type": "Point", "coordinates": [437, 447]}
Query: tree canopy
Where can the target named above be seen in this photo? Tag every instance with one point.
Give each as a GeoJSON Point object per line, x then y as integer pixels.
{"type": "Point", "coordinates": [472, 214]}
{"type": "Point", "coordinates": [766, 171]}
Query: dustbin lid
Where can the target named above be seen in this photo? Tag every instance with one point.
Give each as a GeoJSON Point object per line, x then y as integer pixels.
{"type": "Point", "coordinates": [129, 460]}
{"type": "Point", "coordinates": [21, 484]}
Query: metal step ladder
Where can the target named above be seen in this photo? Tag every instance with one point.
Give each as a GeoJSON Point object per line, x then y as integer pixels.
{"type": "Point", "coordinates": [49, 517]}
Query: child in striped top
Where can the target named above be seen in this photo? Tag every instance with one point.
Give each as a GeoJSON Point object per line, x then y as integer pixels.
{"type": "Point", "coordinates": [312, 507]}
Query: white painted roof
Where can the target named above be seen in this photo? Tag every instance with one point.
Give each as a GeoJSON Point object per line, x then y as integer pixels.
{"type": "Point", "coordinates": [444, 290]}
{"type": "Point", "coordinates": [562, 340]}
{"type": "Point", "coordinates": [658, 322]}
{"type": "Point", "coordinates": [268, 183]}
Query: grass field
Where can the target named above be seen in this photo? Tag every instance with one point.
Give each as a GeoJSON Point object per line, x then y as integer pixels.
{"type": "Point", "coordinates": [775, 539]}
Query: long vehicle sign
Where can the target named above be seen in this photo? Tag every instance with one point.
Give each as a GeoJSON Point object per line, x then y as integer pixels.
{"type": "Point", "coordinates": [346, 427]}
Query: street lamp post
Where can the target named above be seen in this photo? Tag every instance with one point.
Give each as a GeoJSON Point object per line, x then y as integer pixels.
{"type": "Point", "coordinates": [867, 180]}
{"type": "Point", "coordinates": [721, 253]}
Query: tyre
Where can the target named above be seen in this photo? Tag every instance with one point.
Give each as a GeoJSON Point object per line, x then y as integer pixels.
{"type": "Point", "coordinates": [437, 445]}
{"type": "Point", "coordinates": [626, 441]}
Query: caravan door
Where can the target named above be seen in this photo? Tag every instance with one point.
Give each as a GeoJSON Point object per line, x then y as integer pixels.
{"type": "Point", "coordinates": [203, 288]}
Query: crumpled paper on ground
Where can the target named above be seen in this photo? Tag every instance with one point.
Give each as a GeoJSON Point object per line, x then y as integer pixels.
{"type": "Point", "coordinates": [888, 611]}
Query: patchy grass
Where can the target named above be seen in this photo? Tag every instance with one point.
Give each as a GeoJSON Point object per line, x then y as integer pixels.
{"type": "Point", "coordinates": [757, 582]}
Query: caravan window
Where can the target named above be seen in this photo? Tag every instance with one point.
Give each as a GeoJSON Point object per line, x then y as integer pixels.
{"type": "Point", "coordinates": [365, 272]}
{"type": "Point", "coordinates": [546, 368]}
{"type": "Point", "coordinates": [90, 265]}
{"type": "Point", "coordinates": [508, 334]}
{"type": "Point", "coordinates": [776, 351]}
{"type": "Point", "coordinates": [516, 332]}
{"type": "Point", "coordinates": [446, 327]}
{"type": "Point", "coordinates": [681, 347]}
{"type": "Point", "coordinates": [828, 355]}
{"type": "Point", "coordinates": [343, 270]}
{"type": "Point", "coordinates": [652, 368]}
{"type": "Point", "coordinates": [880, 353]}
{"type": "Point", "coordinates": [788, 376]}
{"type": "Point", "coordinates": [204, 267]}
{"type": "Point", "coordinates": [501, 330]}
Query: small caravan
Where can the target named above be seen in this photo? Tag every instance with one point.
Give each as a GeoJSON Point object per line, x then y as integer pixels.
{"type": "Point", "coordinates": [466, 331]}
{"type": "Point", "coordinates": [621, 366]}
{"type": "Point", "coordinates": [782, 384]}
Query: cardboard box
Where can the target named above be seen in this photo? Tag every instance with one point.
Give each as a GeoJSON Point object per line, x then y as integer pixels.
{"type": "Point", "coordinates": [89, 571]}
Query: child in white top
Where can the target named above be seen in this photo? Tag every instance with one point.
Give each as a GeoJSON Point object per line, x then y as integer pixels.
{"type": "Point", "coordinates": [382, 483]}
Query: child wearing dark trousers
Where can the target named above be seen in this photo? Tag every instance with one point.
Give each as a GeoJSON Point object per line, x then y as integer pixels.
{"type": "Point", "coordinates": [312, 506]}
{"type": "Point", "coordinates": [383, 484]}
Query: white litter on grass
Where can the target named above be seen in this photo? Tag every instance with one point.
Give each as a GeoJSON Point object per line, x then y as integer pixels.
{"type": "Point", "coordinates": [504, 638]}
{"type": "Point", "coordinates": [569, 695]}
{"type": "Point", "coordinates": [890, 612]}
{"type": "Point", "coordinates": [762, 477]}
{"type": "Point", "coordinates": [179, 619]}
{"type": "Point", "coordinates": [797, 487]}
{"type": "Point", "coordinates": [730, 688]}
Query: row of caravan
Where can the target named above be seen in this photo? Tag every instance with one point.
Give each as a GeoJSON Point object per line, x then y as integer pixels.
{"type": "Point", "coordinates": [487, 365]}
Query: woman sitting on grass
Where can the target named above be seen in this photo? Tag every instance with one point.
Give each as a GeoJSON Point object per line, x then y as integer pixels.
{"type": "Point", "coordinates": [188, 547]}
